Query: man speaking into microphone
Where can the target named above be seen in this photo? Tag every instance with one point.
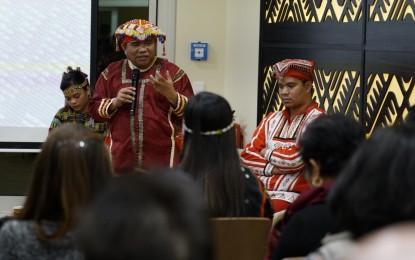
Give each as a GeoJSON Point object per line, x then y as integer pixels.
{"type": "Point", "coordinates": [143, 118]}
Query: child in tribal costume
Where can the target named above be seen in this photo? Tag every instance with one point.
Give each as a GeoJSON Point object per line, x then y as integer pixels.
{"type": "Point", "coordinates": [77, 92]}
{"type": "Point", "coordinates": [144, 137]}
{"type": "Point", "coordinates": [273, 154]}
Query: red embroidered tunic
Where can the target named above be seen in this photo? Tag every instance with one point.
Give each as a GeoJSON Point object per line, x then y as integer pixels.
{"type": "Point", "coordinates": [280, 135]}
{"type": "Point", "coordinates": [146, 139]}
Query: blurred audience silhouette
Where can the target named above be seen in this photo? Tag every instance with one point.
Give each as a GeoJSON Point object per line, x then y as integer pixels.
{"type": "Point", "coordinates": [375, 190]}
{"type": "Point", "coordinates": [325, 148]}
{"type": "Point", "coordinates": [72, 165]}
{"type": "Point", "coordinates": [154, 215]}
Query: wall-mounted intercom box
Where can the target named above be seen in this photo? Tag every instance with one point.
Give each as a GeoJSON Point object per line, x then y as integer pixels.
{"type": "Point", "coordinates": [198, 50]}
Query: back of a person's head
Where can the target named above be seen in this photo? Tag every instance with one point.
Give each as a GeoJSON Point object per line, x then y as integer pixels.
{"type": "Point", "coordinates": [377, 187]}
{"type": "Point", "coordinates": [72, 164]}
{"type": "Point", "coordinates": [155, 215]}
{"type": "Point", "coordinates": [330, 140]}
{"type": "Point", "coordinates": [208, 119]}
{"type": "Point", "coordinates": [209, 135]}
{"type": "Point", "coordinates": [206, 112]}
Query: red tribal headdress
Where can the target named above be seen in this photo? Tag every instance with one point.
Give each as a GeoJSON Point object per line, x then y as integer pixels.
{"type": "Point", "coordinates": [300, 69]}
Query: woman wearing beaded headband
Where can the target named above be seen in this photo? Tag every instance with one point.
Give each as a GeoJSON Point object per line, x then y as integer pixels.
{"type": "Point", "coordinates": [77, 92]}
{"type": "Point", "coordinates": [210, 157]}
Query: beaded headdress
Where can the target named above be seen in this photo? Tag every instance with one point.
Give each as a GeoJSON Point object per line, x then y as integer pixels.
{"type": "Point", "coordinates": [139, 30]}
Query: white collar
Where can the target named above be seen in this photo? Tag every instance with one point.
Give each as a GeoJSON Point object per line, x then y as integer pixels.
{"type": "Point", "coordinates": [132, 66]}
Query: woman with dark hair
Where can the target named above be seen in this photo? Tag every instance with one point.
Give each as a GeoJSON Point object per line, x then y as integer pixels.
{"type": "Point", "coordinates": [73, 164]}
{"type": "Point", "coordinates": [210, 157]}
{"type": "Point", "coordinates": [77, 92]}
{"type": "Point", "coordinates": [376, 188]}
{"type": "Point", "coordinates": [325, 148]}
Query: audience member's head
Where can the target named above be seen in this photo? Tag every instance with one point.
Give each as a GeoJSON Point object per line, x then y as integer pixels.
{"type": "Point", "coordinates": [326, 146]}
{"type": "Point", "coordinates": [209, 153]}
{"type": "Point", "coordinates": [73, 164]}
{"type": "Point", "coordinates": [208, 121]}
{"type": "Point", "coordinates": [377, 187]}
{"type": "Point", "coordinates": [155, 215]}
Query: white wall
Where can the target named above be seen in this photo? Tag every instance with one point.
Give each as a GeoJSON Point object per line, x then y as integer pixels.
{"type": "Point", "coordinates": [205, 21]}
{"type": "Point", "coordinates": [231, 28]}
{"type": "Point", "coordinates": [242, 61]}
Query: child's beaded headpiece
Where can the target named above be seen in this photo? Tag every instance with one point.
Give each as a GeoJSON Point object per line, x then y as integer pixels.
{"type": "Point", "coordinates": [73, 90]}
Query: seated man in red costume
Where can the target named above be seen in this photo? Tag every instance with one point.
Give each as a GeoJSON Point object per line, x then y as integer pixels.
{"type": "Point", "coordinates": [144, 121]}
{"type": "Point", "coordinates": [273, 153]}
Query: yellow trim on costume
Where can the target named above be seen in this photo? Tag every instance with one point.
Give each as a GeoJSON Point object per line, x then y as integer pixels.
{"type": "Point", "coordinates": [181, 102]}
{"type": "Point", "coordinates": [180, 73]}
{"type": "Point", "coordinates": [105, 74]}
{"type": "Point", "coordinates": [172, 138]}
{"type": "Point", "coordinates": [103, 108]}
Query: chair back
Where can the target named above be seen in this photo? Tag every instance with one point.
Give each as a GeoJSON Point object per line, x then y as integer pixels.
{"type": "Point", "coordinates": [242, 238]}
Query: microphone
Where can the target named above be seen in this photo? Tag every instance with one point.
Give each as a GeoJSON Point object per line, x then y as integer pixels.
{"type": "Point", "coordinates": [134, 83]}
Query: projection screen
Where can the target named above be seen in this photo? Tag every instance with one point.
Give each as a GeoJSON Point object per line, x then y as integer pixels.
{"type": "Point", "coordinates": [39, 40]}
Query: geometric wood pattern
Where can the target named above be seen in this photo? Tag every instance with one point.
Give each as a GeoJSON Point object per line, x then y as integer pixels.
{"type": "Point", "coordinates": [364, 53]}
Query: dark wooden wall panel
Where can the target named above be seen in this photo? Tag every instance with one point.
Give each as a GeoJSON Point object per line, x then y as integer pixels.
{"type": "Point", "coordinates": [364, 53]}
